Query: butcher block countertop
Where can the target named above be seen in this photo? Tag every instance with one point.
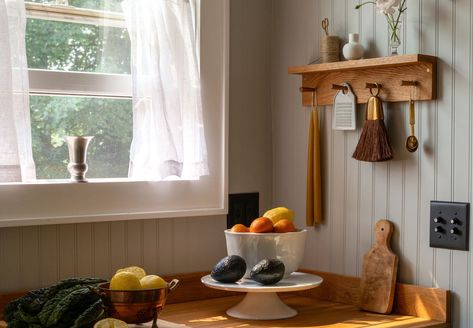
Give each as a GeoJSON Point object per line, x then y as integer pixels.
{"type": "Point", "coordinates": [312, 313]}
{"type": "Point", "coordinates": [331, 305]}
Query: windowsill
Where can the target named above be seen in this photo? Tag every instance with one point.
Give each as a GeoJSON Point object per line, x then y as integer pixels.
{"type": "Point", "coordinates": [91, 181]}
{"type": "Point", "coordinates": [30, 221]}
{"type": "Point", "coordinates": [67, 181]}
{"type": "Point", "coordinates": [99, 200]}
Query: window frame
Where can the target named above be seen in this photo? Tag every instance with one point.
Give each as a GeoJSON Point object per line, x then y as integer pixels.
{"type": "Point", "coordinates": [59, 201]}
{"type": "Point", "coordinates": [73, 14]}
{"type": "Point", "coordinates": [65, 83]}
{"type": "Point", "coordinates": [72, 83]}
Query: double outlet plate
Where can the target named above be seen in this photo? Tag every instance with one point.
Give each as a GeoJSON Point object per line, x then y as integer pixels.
{"type": "Point", "coordinates": [449, 225]}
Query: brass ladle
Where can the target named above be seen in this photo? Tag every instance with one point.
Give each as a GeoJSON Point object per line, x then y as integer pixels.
{"type": "Point", "coordinates": [412, 143]}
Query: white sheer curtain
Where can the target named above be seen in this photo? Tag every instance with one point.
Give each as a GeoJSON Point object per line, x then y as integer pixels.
{"type": "Point", "coordinates": [16, 159]}
{"type": "Point", "coordinates": [168, 131]}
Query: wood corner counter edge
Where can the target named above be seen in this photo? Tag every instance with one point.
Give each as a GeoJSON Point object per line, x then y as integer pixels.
{"type": "Point", "coordinates": [411, 300]}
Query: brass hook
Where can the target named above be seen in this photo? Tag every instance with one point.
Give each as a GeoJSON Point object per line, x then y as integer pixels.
{"type": "Point", "coordinates": [372, 86]}
{"type": "Point", "coordinates": [412, 84]}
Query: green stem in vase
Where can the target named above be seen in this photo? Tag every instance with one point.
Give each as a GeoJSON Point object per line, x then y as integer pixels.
{"type": "Point", "coordinates": [400, 11]}
{"type": "Point", "coordinates": [364, 3]}
{"type": "Point", "coordinates": [393, 25]}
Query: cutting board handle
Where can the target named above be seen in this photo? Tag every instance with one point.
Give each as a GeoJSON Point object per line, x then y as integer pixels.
{"type": "Point", "coordinates": [384, 230]}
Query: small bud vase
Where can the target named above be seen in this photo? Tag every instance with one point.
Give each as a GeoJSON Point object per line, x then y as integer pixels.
{"type": "Point", "coordinates": [394, 37]}
{"type": "Point", "coordinates": [353, 49]}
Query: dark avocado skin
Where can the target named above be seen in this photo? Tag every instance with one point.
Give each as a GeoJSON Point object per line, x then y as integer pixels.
{"type": "Point", "coordinates": [268, 271]}
{"type": "Point", "coordinates": [229, 269]}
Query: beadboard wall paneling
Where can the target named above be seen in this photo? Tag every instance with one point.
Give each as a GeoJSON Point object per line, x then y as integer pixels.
{"type": "Point", "coordinates": [357, 194]}
{"type": "Point", "coordinates": [32, 257]}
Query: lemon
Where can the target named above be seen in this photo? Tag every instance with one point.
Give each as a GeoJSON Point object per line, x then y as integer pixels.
{"type": "Point", "coordinates": [125, 281]}
{"type": "Point", "coordinates": [136, 270]}
{"type": "Point", "coordinates": [152, 282]}
{"type": "Point", "coordinates": [279, 213]}
{"type": "Point", "coordinates": [110, 323]}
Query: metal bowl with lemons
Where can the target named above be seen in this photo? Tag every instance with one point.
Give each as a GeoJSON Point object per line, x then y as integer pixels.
{"type": "Point", "coordinates": [134, 297]}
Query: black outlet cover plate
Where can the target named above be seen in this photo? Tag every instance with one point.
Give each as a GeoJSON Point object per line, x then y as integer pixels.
{"type": "Point", "coordinates": [242, 208]}
{"type": "Point", "coordinates": [443, 213]}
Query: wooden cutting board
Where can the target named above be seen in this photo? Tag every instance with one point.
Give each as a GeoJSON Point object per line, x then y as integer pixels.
{"type": "Point", "coordinates": [378, 279]}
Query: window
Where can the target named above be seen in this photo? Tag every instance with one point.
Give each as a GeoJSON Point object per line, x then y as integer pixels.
{"type": "Point", "coordinates": [89, 92]}
{"type": "Point", "coordinates": [108, 119]}
{"type": "Point", "coordinates": [79, 37]}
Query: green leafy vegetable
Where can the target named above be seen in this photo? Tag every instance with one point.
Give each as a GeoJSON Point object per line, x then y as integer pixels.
{"type": "Point", "coordinates": [70, 303]}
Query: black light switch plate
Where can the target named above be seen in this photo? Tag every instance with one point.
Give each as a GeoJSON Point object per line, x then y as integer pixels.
{"type": "Point", "coordinates": [449, 225]}
{"type": "Point", "coordinates": [242, 208]}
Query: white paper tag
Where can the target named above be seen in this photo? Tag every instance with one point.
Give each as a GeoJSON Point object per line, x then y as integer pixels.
{"type": "Point", "coordinates": [344, 110]}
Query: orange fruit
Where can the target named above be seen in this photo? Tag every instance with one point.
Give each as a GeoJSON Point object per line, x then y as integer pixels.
{"type": "Point", "coordinates": [261, 224]}
{"type": "Point", "coordinates": [240, 228]}
{"type": "Point", "coordinates": [284, 225]}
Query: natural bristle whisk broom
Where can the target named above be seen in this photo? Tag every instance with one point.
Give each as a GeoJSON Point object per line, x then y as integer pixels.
{"type": "Point", "coordinates": [374, 145]}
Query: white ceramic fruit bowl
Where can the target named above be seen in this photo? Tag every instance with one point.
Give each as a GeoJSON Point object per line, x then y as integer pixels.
{"type": "Point", "coordinates": [253, 247]}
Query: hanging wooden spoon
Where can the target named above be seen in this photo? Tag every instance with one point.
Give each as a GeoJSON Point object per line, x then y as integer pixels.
{"type": "Point", "coordinates": [412, 143]}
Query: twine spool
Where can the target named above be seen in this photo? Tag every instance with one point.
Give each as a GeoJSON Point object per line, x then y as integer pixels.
{"type": "Point", "coordinates": [330, 49]}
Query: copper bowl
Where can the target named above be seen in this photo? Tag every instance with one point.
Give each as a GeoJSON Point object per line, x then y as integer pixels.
{"type": "Point", "coordinates": [135, 306]}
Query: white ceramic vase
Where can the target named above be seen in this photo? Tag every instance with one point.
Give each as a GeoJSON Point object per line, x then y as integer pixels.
{"type": "Point", "coordinates": [353, 49]}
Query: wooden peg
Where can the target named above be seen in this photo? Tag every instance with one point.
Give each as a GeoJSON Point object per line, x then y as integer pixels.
{"type": "Point", "coordinates": [409, 83]}
{"type": "Point", "coordinates": [306, 89]}
{"type": "Point", "coordinates": [373, 85]}
{"type": "Point", "coordinates": [312, 91]}
{"type": "Point", "coordinates": [339, 87]}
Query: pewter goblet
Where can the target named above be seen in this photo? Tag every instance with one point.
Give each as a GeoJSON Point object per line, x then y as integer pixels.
{"type": "Point", "coordinates": [77, 166]}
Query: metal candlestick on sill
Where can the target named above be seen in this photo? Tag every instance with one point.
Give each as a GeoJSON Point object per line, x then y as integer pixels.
{"type": "Point", "coordinates": [77, 166]}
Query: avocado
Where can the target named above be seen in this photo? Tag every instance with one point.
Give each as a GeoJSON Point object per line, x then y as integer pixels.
{"type": "Point", "coordinates": [229, 269]}
{"type": "Point", "coordinates": [268, 271]}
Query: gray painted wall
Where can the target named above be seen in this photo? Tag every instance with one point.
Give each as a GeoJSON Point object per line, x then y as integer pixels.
{"type": "Point", "coordinates": [357, 194]}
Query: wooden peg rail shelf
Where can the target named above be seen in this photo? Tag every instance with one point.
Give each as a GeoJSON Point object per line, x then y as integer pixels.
{"type": "Point", "coordinates": [400, 78]}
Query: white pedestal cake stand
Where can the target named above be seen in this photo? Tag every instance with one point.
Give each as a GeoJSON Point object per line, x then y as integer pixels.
{"type": "Point", "coordinates": [262, 302]}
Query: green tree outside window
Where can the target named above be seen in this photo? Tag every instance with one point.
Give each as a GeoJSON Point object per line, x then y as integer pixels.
{"type": "Point", "coordinates": [85, 48]}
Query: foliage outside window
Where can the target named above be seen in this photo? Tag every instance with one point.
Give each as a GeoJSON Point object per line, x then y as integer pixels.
{"type": "Point", "coordinates": [66, 46]}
